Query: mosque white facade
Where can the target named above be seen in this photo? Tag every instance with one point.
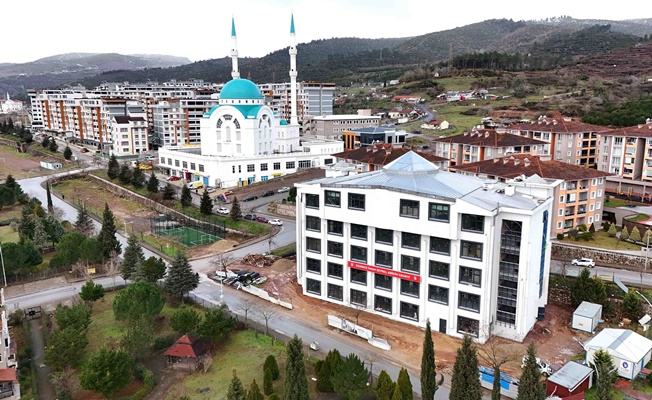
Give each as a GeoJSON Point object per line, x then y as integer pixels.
{"type": "Point", "coordinates": [243, 141]}
{"type": "Point", "coordinates": [8, 105]}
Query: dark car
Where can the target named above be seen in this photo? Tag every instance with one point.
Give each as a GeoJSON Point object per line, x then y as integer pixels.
{"type": "Point", "coordinates": [262, 219]}
{"type": "Point", "coordinates": [250, 197]}
{"type": "Point", "coordinates": [268, 193]}
{"type": "Point", "coordinates": [250, 217]}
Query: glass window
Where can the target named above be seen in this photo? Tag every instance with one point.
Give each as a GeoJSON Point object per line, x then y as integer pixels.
{"type": "Point", "coordinates": [332, 198]}
{"type": "Point", "coordinates": [356, 201]}
{"type": "Point", "coordinates": [335, 270]}
{"type": "Point", "coordinates": [313, 244]}
{"type": "Point", "coordinates": [201, 167]}
{"type": "Point", "coordinates": [471, 276]}
{"type": "Point", "coordinates": [473, 223]}
{"type": "Point", "coordinates": [471, 250]}
{"type": "Point", "coordinates": [440, 245]}
{"type": "Point", "coordinates": [410, 288]}
{"type": "Point", "coordinates": [410, 264]}
{"type": "Point", "coordinates": [468, 326]}
{"type": "Point", "coordinates": [409, 208]}
{"type": "Point", "coordinates": [251, 168]}
{"type": "Point", "coordinates": [383, 304]}
{"type": "Point", "coordinates": [192, 166]}
{"type": "Point", "coordinates": [277, 166]}
{"type": "Point", "coordinates": [384, 259]}
{"type": "Point", "coordinates": [335, 292]}
{"type": "Point", "coordinates": [359, 297]}
{"type": "Point", "coordinates": [312, 200]}
{"type": "Point", "coordinates": [359, 254]}
{"type": "Point", "coordinates": [468, 301]}
{"type": "Point", "coordinates": [313, 265]}
{"type": "Point", "coordinates": [383, 282]}
{"type": "Point", "coordinates": [385, 236]}
{"type": "Point", "coordinates": [438, 294]}
{"type": "Point", "coordinates": [313, 223]}
{"type": "Point", "coordinates": [335, 249]}
{"type": "Point", "coordinates": [438, 212]}
{"type": "Point", "coordinates": [411, 240]}
{"type": "Point", "coordinates": [358, 276]}
{"type": "Point", "coordinates": [439, 270]}
{"type": "Point", "coordinates": [184, 164]}
{"type": "Point", "coordinates": [335, 227]}
{"type": "Point", "coordinates": [359, 231]}
{"type": "Point", "coordinates": [263, 167]}
{"type": "Point", "coordinates": [289, 164]}
{"type": "Point", "coordinates": [313, 286]}
{"type": "Point", "coordinates": [409, 311]}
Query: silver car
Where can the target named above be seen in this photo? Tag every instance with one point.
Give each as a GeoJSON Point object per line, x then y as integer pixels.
{"type": "Point", "coordinates": [584, 262]}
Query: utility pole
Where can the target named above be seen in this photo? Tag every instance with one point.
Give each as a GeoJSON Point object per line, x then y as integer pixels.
{"type": "Point", "coordinates": [2, 259]}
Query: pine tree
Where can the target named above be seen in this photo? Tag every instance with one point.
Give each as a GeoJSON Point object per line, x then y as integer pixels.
{"type": "Point", "coordinates": [385, 386]}
{"type": "Point", "coordinates": [152, 183]}
{"type": "Point", "coordinates": [181, 279]}
{"type": "Point", "coordinates": [606, 375]}
{"type": "Point", "coordinates": [405, 385]}
{"type": "Point", "coordinates": [40, 235]}
{"type": "Point", "coordinates": [186, 197]}
{"type": "Point", "coordinates": [254, 392]}
{"type": "Point", "coordinates": [236, 390]}
{"type": "Point", "coordinates": [107, 235]}
{"type": "Point", "coordinates": [49, 198]}
{"type": "Point", "coordinates": [236, 212]}
{"type": "Point", "coordinates": [324, 383]}
{"type": "Point", "coordinates": [206, 204]}
{"type": "Point", "coordinates": [84, 223]}
{"type": "Point", "coordinates": [53, 146]}
{"type": "Point", "coordinates": [132, 258]}
{"type": "Point", "coordinates": [398, 394]}
{"type": "Point", "coordinates": [429, 384]}
{"type": "Point", "coordinates": [612, 231]}
{"type": "Point", "coordinates": [125, 174]}
{"type": "Point", "coordinates": [11, 183]}
{"type": "Point", "coordinates": [647, 237]}
{"type": "Point", "coordinates": [272, 365]}
{"type": "Point", "coordinates": [296, 384]}
{"type": "Point", "coordinates": [268, 382]}
{"type": "Point", "coordinates": [635, 236]}
{"type": "Point", "coordinates": [530, 386]}
{"type": "Point", "coordinates": [168, 192]}
{"type": "Point", "coordinates": [350, 377]}
{"type": "Point", "coordinates": [465, 383]}
{"type": "Point", "coordinates": [67, 153]}
{"type": "Point", "coordinates": [137, 176]}
{"type": "Point", "coordinates": [114, 167]}
{"type": "Point", "coordinates": [624, 234]}
{"type": "Point", "coordinates": [631, 305]}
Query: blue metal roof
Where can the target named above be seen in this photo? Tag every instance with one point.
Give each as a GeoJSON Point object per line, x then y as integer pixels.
{"type": "Point", "coordinates": [237, 89]}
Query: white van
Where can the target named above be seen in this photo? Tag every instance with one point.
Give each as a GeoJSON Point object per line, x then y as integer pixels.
{"type": "Point", "coordinates": [195, 185]}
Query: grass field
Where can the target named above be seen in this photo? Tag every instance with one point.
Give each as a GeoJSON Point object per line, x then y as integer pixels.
{"type": "Point", "coordinates": [188, 236]}
{"type": "Point", "coordinates": [603, 241]}
{"type": "Point", "coordinates": [615, 202]}
{"type": "Point", "coordinates": [169, 247]}
{"type": "Point", "coordinates": [8, 235]}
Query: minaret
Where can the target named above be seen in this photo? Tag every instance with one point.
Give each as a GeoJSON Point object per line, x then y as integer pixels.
{"type": "Point", "coordinates": [293, 75]}
{"type": "Point", "coordinates": [235, 74]}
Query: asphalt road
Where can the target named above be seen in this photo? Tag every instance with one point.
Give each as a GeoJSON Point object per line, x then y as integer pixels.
{"type": "Point", "coordinates": [627, 277]}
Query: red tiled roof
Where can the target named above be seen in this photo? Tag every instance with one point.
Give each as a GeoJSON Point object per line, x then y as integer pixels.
{"type": "Point", "coordinates": [8, 375]}
{"type": "Point", "coordinates": [524, 164]}
{"type": "Point", "coordinates": [186, 346]}
{"type": "Point", "coordinates": [383, 154]}
{"type": "Point", "coordinates": [490, 138]}
{"type": "Point", "coordinates": [557, 125]}
{"type": "Point", "coordinates": [642, 131]}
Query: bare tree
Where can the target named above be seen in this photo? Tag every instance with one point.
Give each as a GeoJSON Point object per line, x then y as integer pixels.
{"type": "Point", "coordinates": [206, 360]}
{"type": "Point", "coordinates": [245, 305]}
{"type": "Point", "coordinates": [80, 269]}
{"type": "Point", "coordinates": [222, 261]}
{"type": "Point", "coordinates": [370, 359]}
{"type": "Point", "coordinates": [113, 267]}
{"type": "Point", "coordinates": [268, 313]}
{"type": "Point", "coordinates": [270, 241]}
{"type": "Point", "coordinates": [358, 309]}
{"type": "Point", "coordinates": [496, 352]}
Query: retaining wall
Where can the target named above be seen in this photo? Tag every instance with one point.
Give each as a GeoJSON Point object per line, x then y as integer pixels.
{"type": "Point", "coordinates": [567, 252]}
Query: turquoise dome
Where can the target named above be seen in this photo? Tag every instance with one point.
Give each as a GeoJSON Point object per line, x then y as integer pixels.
{"type": "Point", "coordinates": [283, 122]}
{"type": "Point", "coordinates": [240, 89]}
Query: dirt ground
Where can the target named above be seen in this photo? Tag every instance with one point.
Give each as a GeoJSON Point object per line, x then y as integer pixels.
{"type": "Point", "coordinates": [20, 165]}
{"type": "Point", "coordinates": [556, 342]}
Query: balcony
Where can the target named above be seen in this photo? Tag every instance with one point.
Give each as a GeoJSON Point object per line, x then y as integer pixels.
{"type": "Point", "coordinates": [571, 186]}
{"type": "Point", "coordinates": [583, 197]}
{"type": "Point", "coordinates": [581, 210]}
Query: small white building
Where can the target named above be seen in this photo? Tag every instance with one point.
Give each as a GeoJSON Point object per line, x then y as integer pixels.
{"type": "Point", "coordinates": [629, 351]}
{"type": "Point", "coordinates": [128, 135]}
{"type": "Point", "coordinates": [587, 317]}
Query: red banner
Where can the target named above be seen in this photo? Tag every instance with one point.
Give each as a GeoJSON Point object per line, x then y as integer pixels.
{"type": "Point", "coordinates": [384, 271]}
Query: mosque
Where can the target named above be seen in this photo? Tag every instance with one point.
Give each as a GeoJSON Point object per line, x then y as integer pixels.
{"type": "Point", "coordinates": [243, 141]}
{"type": "Point", "coordinates": [10, 106]}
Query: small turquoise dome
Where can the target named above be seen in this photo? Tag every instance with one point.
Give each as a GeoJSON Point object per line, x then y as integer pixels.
{"type": "Point", "coordinates": [240, 89]}
{"type": "Point", "coordinates": [283, 122]}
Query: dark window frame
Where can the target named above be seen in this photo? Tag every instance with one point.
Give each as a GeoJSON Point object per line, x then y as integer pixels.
{"type": "Point", "coordinates": [356, 229]}
{"type": "Point", "coordinates": [470, 276]}
{"type": "Point", "coordinates": [313, 282]}
{"type": "Point", "coordinates": [313, 265]}
{"type": "Point", "coordinates": [411, 307]}
{"type": "Point", "coordinates": [407, 264]}
{"type": "Point", "coordinates": [310, 223]}
{"type": "Point", "coordinates": [354, 255]}
{"type": "Point", "coordinates": [358, 293]}
{"type": "Point", "coordinates": [409, 208]}
{"type": "Point", "coordinates": [438, 294]}
{"type": "Point", "coordinates": [439, 248]}
{"type": "Point", "coordinates": [434, 265]}
{"type": "Point", "coordinates": [329, 292]}
{"type": "Point", "coordinates": [468, 301]}
{"type": "Point", "coordinates": [381, 309]}
{"type": "Point", "coordinates": [384, 231]}
{"type": "Point", "coordinates": [471, 250]}
{"type": "Point", "coordinates": [356, 201]}
{"type": "Point", "coordinates": [332, 198]}
{"type": "Point", "coordinates": [472, 223]}
{"type": "Point", "coordinates": [335, 227]}
{"type": "Point", "coordinates": [474, 324]}
{"type": "Point", "coordinates": [356, 274]}
{"type": "Point", "coordinates": [332, 247]}
{"type": "Point", "coordinates": [407, 288]}
{"type": "Point", "coordinates": [384, 259]}
{"type": "Point", "coordinates": [314, 241]}
{"type": "Point", "coordinates": [436, 214]}
{"type": "Point", "coordinates": [332, 269]}
{"type": "Point", "coordinates": [312, 201]}
{"type": "Point", "coordinates": [412, 237]}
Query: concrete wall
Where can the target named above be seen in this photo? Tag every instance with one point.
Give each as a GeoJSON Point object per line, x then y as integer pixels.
{"type": "Point", "coordinates": [567, 252]}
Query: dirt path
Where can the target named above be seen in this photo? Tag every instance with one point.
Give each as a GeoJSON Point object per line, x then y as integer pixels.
{"type": "Point", "coordinates": [45, 388]}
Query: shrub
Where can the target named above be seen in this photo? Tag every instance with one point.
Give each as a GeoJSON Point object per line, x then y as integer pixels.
{"type": "Point", "coordinates": [612, 231]}
{"type": "Point", "coordinates": [560, 236]}
{"type": "Point", "coordinates": [635, 236]}
{"type": "Point", "coordinates": [272, 365]}
{"type": "Point", "coordinates": [606, 226]}
{"type": "Point", "coordinates": [163, 342]}
{"type": "Point", "coordinates": [624, 234]}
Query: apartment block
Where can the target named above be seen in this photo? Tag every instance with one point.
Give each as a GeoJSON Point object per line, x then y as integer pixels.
{"type": "Point", "coordinates": [412, 243]}
{"type": "Point", "coordinates": [9, 386]}
{"type": "Point", "coordinates": [578, 200]}
{"type": "Point", "coordinates": [332, 126]}
{"type": "Point", "coordinates": [313, 99]}
{"type": "Point", "coordinates": [129, 135]}
{"type": "Point", "coordinates": [571, 141]}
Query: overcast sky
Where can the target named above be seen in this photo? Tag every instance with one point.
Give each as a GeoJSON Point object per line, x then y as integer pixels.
{"type": "Point", "coordinates": [200, 29]}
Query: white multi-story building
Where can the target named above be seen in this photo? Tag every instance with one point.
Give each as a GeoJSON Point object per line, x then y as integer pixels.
{"type": "Point", "coordinates": [128, 135]}
{"type": "Point", "coordinates": [313, 99]}
{"type": "Point", "coordinates": [332, 126]}
{"type": "Point", "coordinates": [10, 106]}
{"type": "Point", "coordinates": [414, 243]}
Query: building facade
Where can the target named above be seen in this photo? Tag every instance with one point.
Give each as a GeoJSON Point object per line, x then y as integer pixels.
{"type": "Point", "coordinates": [332, 126]}
{"type": "Point", "coordinates": [313, 99]}
{"type": "Point", "coordinates": [414, 243]}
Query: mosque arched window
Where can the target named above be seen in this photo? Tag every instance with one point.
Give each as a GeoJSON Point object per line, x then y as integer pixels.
{"type": "Point", "coordinates": [219, 123]}
{"type": "Point", "coordinates": [228, 117]}
{"type": "Point", "coordinates": [236, 123]}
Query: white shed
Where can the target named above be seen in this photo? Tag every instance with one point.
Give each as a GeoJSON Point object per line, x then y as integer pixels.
{"type": "Point", "coordinates": [629, 351]}
{"type": "Point", "coordinates": [586, 317]}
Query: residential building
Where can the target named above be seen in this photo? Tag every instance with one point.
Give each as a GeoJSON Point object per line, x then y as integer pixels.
{"type": "Point", "coordinates": [332, 126]}
{"type": "Point", "coordinates": [376, 156]}
{"type": "Point", "coordinates": [436, 124]}
{"type": "Point", "coordinates": [412, 243]}
{"type": "Point", "coordinates": [485, 144]}
{"type": "Point", "coordinates": [313, 99]}
{"type": "Point", "coordinates": [362, 137]}
{"type": "Point", "coordinates": [129, 136]}
{"type": "Point", "coordinates": [570, 141]}
{"type": "Point", "coordinates": [9, 386]}
{"type": "Point", "coordinates": [578, 200]}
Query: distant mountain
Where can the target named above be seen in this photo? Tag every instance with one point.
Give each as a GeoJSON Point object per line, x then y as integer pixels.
{"type": "Point", "coordinates": [637, 27]}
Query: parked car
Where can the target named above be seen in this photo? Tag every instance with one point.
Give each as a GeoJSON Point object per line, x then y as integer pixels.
{"type": "Point", "coordinates": [223, 210]}
{"type": "Point", "coordinates": [84, 150]}
{"type": "Point", "coordinates": [195, 185]}
{"type": "Point", "coordinates": [174, 178]}
{"type": "Point", "coordinates": [262, 219]}
{"type": "Point", "coordinates": [544, 368]}
{"type": "Point", "coordinates": [283, 189]}
{"type": "Point", "coordinates": [584, 262]}
{"type": "Point", "coordinates": [250, 197]}
{"type": "Point", "coordinates": [275, 221]}
{"type": "Point", "coordinates": [250, 217]}
{"type": "Point", "coordinates": [210, 189]}
{"type": "Point", "coordinates": [268, 193]}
